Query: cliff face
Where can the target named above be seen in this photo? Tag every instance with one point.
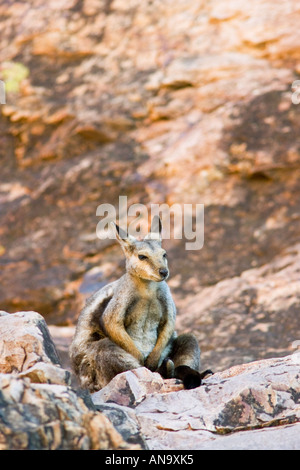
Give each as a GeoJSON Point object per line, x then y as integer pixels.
{"type": "Point", "coordinates": [164, 102]}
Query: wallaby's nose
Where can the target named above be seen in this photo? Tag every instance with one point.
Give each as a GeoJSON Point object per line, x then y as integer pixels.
{"type": "Point", "coordinates": [163, 272]}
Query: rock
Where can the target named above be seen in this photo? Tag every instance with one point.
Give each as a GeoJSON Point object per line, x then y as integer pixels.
{"type": "Point", "coordinates": [53, 417]}
{"type": "Point", "coordinates": [259, 395]}
{"type": "Point", "coordinates": [165, 102]}
{"type": "Point", "coordinates": [38, 408]}
{"type": "Point", "coordinates": [253, 405]}
{"type": "Point", "coordinates": [130, 388]}
{"type": "Point", "coordinates": [62, 337]}
{"type": "Point", "coordinates": [125, 422]}
{"type": "Point", "coordinates": [114, 115]}
{"type": "Point", "coordinates": [47, 373]}
{"type": "Point", "coordinates": [24, 342]}
{"type": "Point", "coordinates": [256, 312]}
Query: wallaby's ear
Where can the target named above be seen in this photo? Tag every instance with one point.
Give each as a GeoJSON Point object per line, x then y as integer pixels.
{"type": "Point", "coordinates": [125, 240]}
{"type": "Point", "coordinates": [155, 230]}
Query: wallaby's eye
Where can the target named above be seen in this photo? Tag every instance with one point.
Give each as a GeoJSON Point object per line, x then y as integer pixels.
{"type": "Point", "coordinates": [142, 257]}
{"type": "Point", "coordinates": [165, 255]}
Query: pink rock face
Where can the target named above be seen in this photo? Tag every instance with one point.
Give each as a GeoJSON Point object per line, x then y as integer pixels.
{"type": "Point", "coordinates": [24, 341]}
{"type": "Point", "coordinates": [167, 102]}
{"type": "Point", "coordinates": [256, 395]}
{"type": "Point", "coordinates": [254, 405]}
{"type": "Point", "coordinates": [132, 387]}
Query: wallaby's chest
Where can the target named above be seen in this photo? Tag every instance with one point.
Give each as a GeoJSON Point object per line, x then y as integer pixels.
{"type": "Point", "coordinates": [143, 313]}
{"type": "Point", "coordinates": [142, 322]}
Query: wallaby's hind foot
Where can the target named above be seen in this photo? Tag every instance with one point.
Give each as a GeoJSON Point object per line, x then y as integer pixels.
{"type": "Point", "coordinates": [166, 370]}
{"type": "Point", "coordinates": [190, 377]}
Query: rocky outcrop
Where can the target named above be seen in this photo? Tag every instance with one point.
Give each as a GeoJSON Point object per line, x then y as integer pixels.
{"type": "Point", "coordinates": [165, 102]}
{"type": "Point", "coordinates": [254, 405]}
{"type": "Point", "coordinates": [251, 406]}
{"type": "Point", "coordinates": [254, 315]}
{"type": "Point", "coordinates": [38, 408]}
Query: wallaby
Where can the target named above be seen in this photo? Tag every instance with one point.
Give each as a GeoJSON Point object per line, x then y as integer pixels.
{"type": "Point", "coordinates": [130, 322]}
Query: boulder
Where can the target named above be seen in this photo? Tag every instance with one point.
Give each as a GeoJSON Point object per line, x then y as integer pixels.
{"type": "Point", "coordinates": [43, 372]}
{"type": "Point", "coordinates": [254, 315]}
{"type": "Point", "coordinates": [25, 341]}
{"type": "Point", "coordinates": [38, 408]}
{"type": "Point", "coordinates": [132, 387]}
{"type": "Point", "coordinates": [50, 417]}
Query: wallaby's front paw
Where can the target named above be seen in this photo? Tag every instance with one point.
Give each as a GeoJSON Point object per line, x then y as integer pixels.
{"type": "Point", "coordinates": [151, 363]}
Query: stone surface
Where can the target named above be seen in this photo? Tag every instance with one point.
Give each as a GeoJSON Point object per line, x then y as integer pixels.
{"type": "Point", "coordinates": [50, 417]}
{"type": "Point", "coordinates": [125, 422]}
{"type": "Point", "coordinates": [38, 408]}
{"type": "Point", "coordinates": [43, 372]}
{"type": "Point", "coordinates": [132, 387]}
{"type": "Point", "coordinates": [24, 342]}
{"type": "Point", "coordinates": [282, 438]}
{"type": "Point", "coordinates": [259, 395]}
{"type": "Point", "coordinates": [256, 313]}
{"type": "Point", "coordinates": [165, 102]}
{"type": "Point", "coordinates": [251, 405]}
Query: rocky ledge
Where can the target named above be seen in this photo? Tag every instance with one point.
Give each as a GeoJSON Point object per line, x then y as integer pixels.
{"type": "Point", "coordinates": [250, 406]}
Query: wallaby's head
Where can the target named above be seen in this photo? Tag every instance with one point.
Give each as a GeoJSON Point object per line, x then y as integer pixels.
{"type": "Point", "coordinates": [145, 259]}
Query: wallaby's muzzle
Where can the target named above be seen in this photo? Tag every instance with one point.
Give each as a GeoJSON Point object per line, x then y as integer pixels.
{"type": "Point", "coordinates": [163, 272]}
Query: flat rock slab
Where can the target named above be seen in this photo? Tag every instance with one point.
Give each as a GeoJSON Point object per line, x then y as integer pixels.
{"type": "Point", "coordinates": [258, 397]}
{"type": "Point", "coordinates": [274, 438]}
